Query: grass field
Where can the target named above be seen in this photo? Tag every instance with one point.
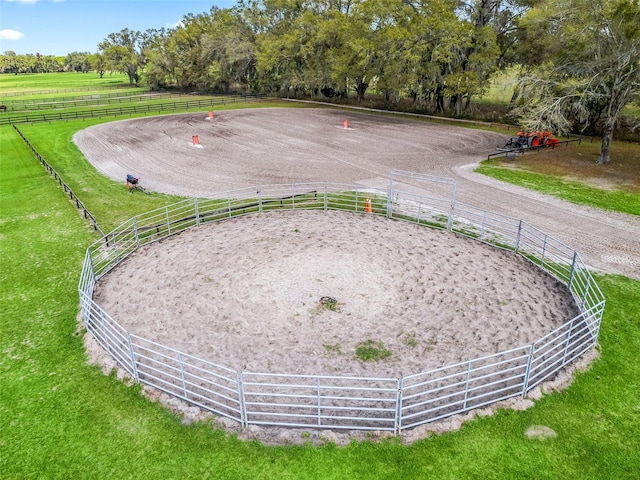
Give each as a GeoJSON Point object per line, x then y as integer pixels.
{"type": "Point", "coordinates": [28, 85]}
{"type": "Point", "coordinates": [571, 172]}
{"type": "Point", "coordinates": [61, 418]}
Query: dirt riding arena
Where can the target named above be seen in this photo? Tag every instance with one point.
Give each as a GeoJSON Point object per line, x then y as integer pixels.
{"type": "Point", "coordinates": [244, 148]}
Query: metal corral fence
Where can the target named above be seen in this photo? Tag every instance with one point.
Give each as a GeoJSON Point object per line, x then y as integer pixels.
{"type": "Point", "coordinates": [337, 402]}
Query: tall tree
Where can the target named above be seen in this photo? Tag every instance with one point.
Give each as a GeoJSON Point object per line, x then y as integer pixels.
{"type": "Point", "coordinates": [98, 63]}
{"type": "Point", "coordinates": [160, 62]}
{"type": "Point", "coordinates": [77, 62]}
{"type": "Point", "coordinates": [591, 60]}
{"type": "Point", "coordinates": [228, 47]}
{"type": "Point", "coordinates": [287, 44]}
{"type": "Point", "coordinates": [123, 52]}
{"type": "Point", "coordinates": [356, 53]}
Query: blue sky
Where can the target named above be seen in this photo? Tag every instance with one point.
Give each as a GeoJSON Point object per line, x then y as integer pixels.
{"type": "Point", "coordinates": [59, 27]}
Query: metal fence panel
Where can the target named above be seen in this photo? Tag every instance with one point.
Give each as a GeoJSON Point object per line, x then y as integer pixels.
{"type": "Point", "coordinates": [108, 333]}
{"type": "Point", "coordinates": [446, 391]}
{"type": "Point", "coordinates": [320, 401]}
{"type": "Point", "coordinates": [487, 227]}
{"type": "Point", "coordinates": [210, 386]}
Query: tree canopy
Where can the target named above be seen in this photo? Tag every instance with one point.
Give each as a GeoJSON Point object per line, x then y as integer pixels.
{"type": "Point", "coordinates": [579, 59]}
{"type": "Point", "coordinates": [589, 69]}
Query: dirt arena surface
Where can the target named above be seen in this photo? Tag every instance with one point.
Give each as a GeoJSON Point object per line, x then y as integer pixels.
{"type": "Point", "coordinates": [246, 293]}
{"type": "Point", "coordinates": [244, 148]}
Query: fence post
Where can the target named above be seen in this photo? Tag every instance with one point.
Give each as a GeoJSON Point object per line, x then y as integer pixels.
{"type": "Point", "coordinates": [319, 403]}
{"type": "Point", "coordinates": [166, 209]}
{"type": "Point", "coordinates": [517, 245]}
{"type": "Point", "coordinates": [260, 200]}
{"type": "Point", "coordinates": [527, 372]}
{"type": "Point", "coordinates": [135, 232]}
{"type": "Point", "coordinates": [573, 268]}
{"type": "Point", "coordinates": [398, 425]}
{"type": "Point", "coordinates": [196, 210]}
{"type": "Point", "coordinates": [134, 363]}
{"type": "Point", "coordinates": [466, 386]}
{"type": "Point", "coordinates": [390, 197]}
{"type": "Point", "coordinates": [243, 408]}
{"type": "Point", "coordinates": [544, 249]}
{"type": "Point", "coordinates": [566, 345]}
{"type": "Point", "coordinates": [452, 208]}
{"type": "Point", "coordinates": [184, 385]}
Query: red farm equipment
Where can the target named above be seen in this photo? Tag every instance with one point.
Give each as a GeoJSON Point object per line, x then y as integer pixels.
{"type": "Point", "coordinates": [536, 139]}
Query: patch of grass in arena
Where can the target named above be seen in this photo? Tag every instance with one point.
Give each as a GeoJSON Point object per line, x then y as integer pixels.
{"type": "Point", "coordinates": [333, 349]}
{"type": "Point", "coordinates": [410, 340]}
{"type": "Point", "coordinates": [372, 350]}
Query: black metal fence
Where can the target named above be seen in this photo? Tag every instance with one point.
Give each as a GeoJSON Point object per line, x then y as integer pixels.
{"type": "Point", "coordinates": [128, 110]}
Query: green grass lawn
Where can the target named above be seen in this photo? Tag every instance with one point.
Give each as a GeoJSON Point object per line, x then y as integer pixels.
{"type": "Point", "coordinates": [62, 418]}
{"type": "Point", "coordinates": [33, 82]}
{"type": "Point", "coordinates": [571, 173]}
{"type": "Point", "coordinates": [573, 191]}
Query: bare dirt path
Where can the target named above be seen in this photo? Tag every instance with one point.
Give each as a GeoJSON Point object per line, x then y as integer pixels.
{"type": "Point", "coordinates": [267, 146]}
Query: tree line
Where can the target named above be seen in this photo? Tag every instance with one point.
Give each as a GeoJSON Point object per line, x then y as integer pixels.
{"type": "Point", "coordinates": [578, 60]}
{"type": "Point", "coordinates": [10, 62]}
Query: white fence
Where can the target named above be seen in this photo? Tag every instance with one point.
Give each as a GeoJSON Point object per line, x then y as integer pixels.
{"type": "Point", "coordinates": [335, 402]}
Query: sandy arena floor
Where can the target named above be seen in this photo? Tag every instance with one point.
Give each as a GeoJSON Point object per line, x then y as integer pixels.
{"type": "Point", "coordinates": [245, 293]}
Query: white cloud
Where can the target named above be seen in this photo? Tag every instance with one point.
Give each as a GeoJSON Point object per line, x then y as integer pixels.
{"type": "Point", "coordinates": [23, 1]}
{"type": "Point", "coordinates": [10, 35]}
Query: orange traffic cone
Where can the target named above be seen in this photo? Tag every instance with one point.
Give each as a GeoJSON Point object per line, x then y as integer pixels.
{"type": "Point", "coordinates": [345, 124]}
{"type": "Point", "coordinates": [195, 139]}
{"type": "Point", "coordinates": [210, 115]}
{"type": "Point", "coordinates": [367, 205]}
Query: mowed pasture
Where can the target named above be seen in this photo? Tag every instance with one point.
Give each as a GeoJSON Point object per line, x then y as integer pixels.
{"type": "Point", "coordinates": [62, 418]}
